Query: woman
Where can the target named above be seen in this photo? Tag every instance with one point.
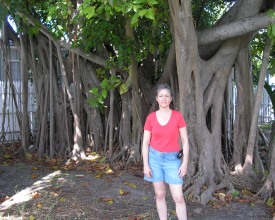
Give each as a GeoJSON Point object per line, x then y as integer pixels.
{"type": "Point", "coordinates": [160, 148]}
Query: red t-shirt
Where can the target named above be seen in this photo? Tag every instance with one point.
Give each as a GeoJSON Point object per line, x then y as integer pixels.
{"type": "Point", "coordinates": [165, 138]}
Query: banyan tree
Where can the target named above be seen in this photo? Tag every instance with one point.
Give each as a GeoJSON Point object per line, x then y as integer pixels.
{"type": "Point", "coordinates": [95, 65]}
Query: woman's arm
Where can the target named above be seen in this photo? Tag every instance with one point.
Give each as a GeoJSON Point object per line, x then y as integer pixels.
{"type": "Point", "coordinates": [145, 152]}
{"type": "Point", "coordinates": [185, 148]}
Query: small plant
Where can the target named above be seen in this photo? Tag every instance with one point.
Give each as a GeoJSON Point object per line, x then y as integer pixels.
{"type": "Point", "coordinates": [235, 193]}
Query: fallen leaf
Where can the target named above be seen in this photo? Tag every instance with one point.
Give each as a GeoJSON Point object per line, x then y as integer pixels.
{"type": "Point", "coordinates": [130, 184]}
{"type": "Point", "coordinates": [28, 156]}
{"type": "Point", "coordinates": [108, 179]}
{"type": "Point", "coordinates": [109, 171]}
{"type": "Point", "coordinates": [35, 175]}
{"type": "Point", "coordinates": [39, 205]}
{"type": "Point", "coordinates": [31, 217]}
{"type": "Point", "coordinates": [122, 192]}
{"type": "Point", "coordinates": [54, 194]}
{"type": "Point", "coordinates": [243, 201]}
{"type": "Point", "coordinates": [36, 195]}
{"type": "Point", "coordinates": [221, 196]}
{"type": "Point", "coordinates": [247, 192]}
{"type": "Point", "coordinates": [228, 197]}
{"type": "Point", "coordinates": [62, 199]}
{"type": "Point", "coordinates": [99, 175]}
{"type": "Point", "coordinates": [107, 200]}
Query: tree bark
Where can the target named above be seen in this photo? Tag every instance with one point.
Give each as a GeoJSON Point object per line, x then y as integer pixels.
{"type": "Point", "coordinates": [52, 126]}
{"type": "Point", "coordinates": [269, 186]}
{"type": "Point", "coordinates": [25, 132]}
{"type": "Point", "coordinates": [78, 151]}
{"type": "Point", "coordinates": [258, 99]}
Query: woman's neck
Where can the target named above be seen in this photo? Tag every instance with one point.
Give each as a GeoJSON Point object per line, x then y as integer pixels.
{"type": "Point", "coordinates": [165, 110]}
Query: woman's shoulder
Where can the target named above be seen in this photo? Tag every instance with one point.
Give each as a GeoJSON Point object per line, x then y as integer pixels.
{"type": "Point", "coordinates": [177, 113]}
{"type": "Point", "coordinates": [151, 115]}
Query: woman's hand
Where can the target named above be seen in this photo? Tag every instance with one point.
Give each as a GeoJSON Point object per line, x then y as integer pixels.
{"type": "Point", "coordinates": [147, 171]}
{"type": "Point", "coordinates": [182, 170]}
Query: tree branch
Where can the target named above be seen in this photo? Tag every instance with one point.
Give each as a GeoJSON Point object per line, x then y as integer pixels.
{"type": "Point", "coordinates": [90, 56]}
{"type": "Point", "coordinates": [234, 29]}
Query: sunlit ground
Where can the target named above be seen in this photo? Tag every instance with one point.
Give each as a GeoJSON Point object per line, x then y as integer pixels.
{"type": "Point", "coordinates": [27, 193]}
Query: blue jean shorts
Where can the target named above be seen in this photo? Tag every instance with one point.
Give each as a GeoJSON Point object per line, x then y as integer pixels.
{"type": "Point", "coordinates": [164, 167]}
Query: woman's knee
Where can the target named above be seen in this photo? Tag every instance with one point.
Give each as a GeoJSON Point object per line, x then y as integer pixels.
{"type": "Point", "coordinates": [179, 199]}
{"type": "Point", "coordinates": [160, 195]}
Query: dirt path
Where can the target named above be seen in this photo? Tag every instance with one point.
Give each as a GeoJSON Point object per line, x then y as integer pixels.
{"type": "Point", "coordinates": [38, 192]}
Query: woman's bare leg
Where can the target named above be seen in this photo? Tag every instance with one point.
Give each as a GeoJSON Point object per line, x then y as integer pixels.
{"type": "Point", "coordinates": [160, 191]}
{"type": "Point", "coordinates": [177, 194]}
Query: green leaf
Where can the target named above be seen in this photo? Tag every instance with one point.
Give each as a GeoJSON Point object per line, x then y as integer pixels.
{"type": "Point", "coordinates": [142, 12]}
{"type": "Point", "coordinates": [152, 2]}
{"type": "Point", "coordinates": [150, 14]}
{"type": "Point", "coordinates": [93, 90]}
{"type": "Point", "coordinates": [89, 11]}
{"type": "Point", "coordinates": [134, 19]}
{"type": "Point", "coordinates": [271, 13]}
{"type": "Point", "coordinates": [104, 83]}
{"type": "Point", "coordinates": [104, 93]}
{"type": "Point", "coordinates": [139, 1]}
{"type": "Point", "coordinates": [123, 88]}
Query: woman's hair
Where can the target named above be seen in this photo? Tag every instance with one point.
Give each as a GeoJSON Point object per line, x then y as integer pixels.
{"type": "Point", "coordinates": [164, 86]}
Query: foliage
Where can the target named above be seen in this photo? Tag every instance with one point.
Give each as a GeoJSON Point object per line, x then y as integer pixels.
{"type": "Point", "coordinates": [206, 13]}
{"type": "Point", "coordinates": [265, 126]}
{"type": "Point", "coordinates": [99, 95]}
{"type": "Point", "coordinates": [256, 48]}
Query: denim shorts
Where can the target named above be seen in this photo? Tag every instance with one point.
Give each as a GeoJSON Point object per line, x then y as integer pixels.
{"type": "Point", "coordinates": [164, 167]}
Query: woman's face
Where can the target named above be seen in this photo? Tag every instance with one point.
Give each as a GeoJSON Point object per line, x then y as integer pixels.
{"type": "Point", "coordinates": [164, 98]}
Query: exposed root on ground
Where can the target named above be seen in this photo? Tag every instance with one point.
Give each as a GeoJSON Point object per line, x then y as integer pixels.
{"type": "Point", "coordinates": [203, 188]}
{"type": "Point", "coordinates": [266, 191]}
{"type": "Point", "coordinates": [243, 181]}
